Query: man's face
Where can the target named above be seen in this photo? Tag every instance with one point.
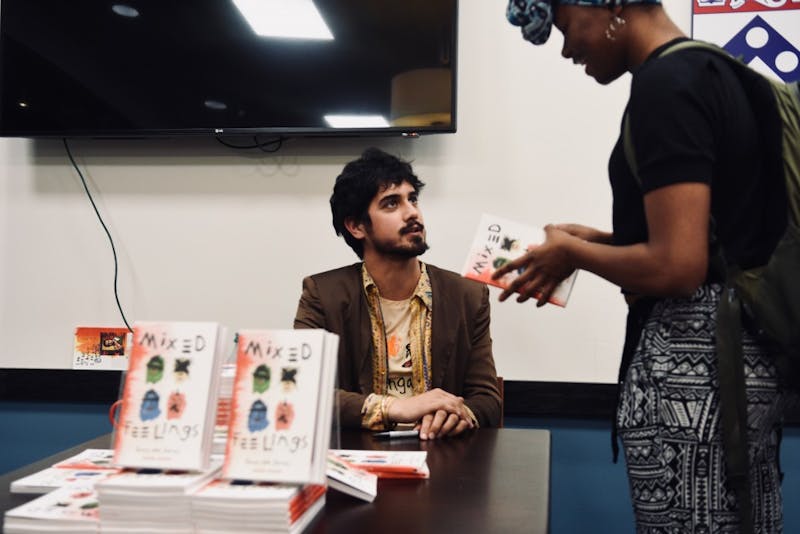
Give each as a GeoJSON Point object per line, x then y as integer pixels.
{"type": "Point", "coordinates": [395, 227]}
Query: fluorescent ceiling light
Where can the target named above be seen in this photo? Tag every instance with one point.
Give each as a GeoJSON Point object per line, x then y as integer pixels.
{"type": "Point", "coordinates": [356, 121]}
{"type": "Point", "coordinates": [295, 19]}
{"type": "Point", "coordinates": [125, 10]}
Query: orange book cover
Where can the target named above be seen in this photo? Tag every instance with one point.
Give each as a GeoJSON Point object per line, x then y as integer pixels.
{"type": "Point", "coordinates": [279, 426]}
{"type": "Point", "coordinates": [499, 241]}
{"type": "Point", "coordinates": [169, 396]}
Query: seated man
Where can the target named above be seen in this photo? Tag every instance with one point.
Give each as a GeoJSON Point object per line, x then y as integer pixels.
{"type": "Point", "coordinates": [414, 341]}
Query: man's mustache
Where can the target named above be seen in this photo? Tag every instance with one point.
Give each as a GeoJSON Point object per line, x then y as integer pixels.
{"type": "Point", "coordinates": [412, 227]}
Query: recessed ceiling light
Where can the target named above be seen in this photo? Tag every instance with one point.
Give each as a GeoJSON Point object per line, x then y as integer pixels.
{"type": "Point", "coordinates": [216, 105]}
{"type": "Point", "coordinates": [125, 11]}
{"type": "Point", "coordinates": [295, 19]}
{"type": "Point", "coordinates": [356, 121]}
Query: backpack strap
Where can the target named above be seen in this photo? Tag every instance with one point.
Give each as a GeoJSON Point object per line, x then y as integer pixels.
{"type": "Point", "coordinates": [733, 401]}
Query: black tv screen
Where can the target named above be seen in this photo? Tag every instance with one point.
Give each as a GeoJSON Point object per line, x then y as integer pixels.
{"type": "Point", "coordinates": [138, 68]}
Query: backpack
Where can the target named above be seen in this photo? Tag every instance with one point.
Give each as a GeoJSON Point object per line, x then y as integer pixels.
{"type": "Point", "coordinates": [767, 296]}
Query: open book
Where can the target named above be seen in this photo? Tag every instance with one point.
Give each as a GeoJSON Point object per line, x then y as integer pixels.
{"type": "Point", "coordinates": [499, 241]}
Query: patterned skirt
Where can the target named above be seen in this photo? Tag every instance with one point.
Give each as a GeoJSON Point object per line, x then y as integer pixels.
{"type": "Point", "coordinates": [669, 421]}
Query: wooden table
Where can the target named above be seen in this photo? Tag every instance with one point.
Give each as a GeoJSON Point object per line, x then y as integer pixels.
{"type": "Point", "coordinates": [494, 480]}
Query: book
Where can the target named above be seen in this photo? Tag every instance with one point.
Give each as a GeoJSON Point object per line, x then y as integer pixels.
{"type": "Point", "coordinates": [52, 478]}
{"type": "Point", "coordinates": [89, 459]}
{"type": "Point", "coordinates": [282, 404]}
{"type": "Point", "coordinates": [388, 464]}
{"type": "Point", "coordinates": [69, 509]}
{"type": "Point", "coordinates": [347, 478]}
{"type": "Point", "coordinates": [498, 241]}
{"type": "Point", "coordinates": [169, 398]}
{"type": "Point", "coordinates": [100, 348]}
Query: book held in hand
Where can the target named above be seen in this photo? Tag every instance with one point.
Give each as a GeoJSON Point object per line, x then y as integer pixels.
{"type": "Point", "coordinates": [499, 241]}
{"type": "Point", "coordinates": [282, 406]}
{"type": "Point", "coordinates": [169, 398]}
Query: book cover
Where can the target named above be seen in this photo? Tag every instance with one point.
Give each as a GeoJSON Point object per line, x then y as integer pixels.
{"type": "Point", "coordinates": [169, 397]}
{"type": "Point", "coordinates": [347, 478]}
{"type": "Point", "coordinates": [499, 241]}
{"type": "Point", "coordinates": [67, 509]}
{"type": "Point", "coordinates": [387, 464]}
{"type": "Point", "coordinates": [52, 478]}
{"type": "Point", "coordinates": [89, 459]}
{"type": "Point", "coordinates": [281, 407]}
{"type": "Point", "coordinates": [100, 348]}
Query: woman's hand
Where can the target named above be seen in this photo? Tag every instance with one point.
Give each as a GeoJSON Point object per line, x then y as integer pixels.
{"type": "Point", "coordinates": [543, 266]}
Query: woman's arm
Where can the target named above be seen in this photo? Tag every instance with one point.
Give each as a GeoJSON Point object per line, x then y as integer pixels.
{"type": "Point", "coordinates": [672, 262]}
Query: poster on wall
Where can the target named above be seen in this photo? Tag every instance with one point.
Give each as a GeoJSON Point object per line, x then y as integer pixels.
{"type": "Point", "coordinates": [764, 33]}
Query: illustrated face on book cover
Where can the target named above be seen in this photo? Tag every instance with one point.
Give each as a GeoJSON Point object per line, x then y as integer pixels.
{"type": "Point", "coordinates": [258, 417]}
{"type": "Point", "coordinates": [155, 369]}
{"type": "Point", "coordinates": [289, 379]}
{"type": "Point", "coordinates": [284, 415]}
{"type": "Point", "coordinates": [182, 369]}
{"type": "Point", "coordinates": [261, 377]}
{"type": "Point", "coordinates": [149, 409]}
{"type": "Point", "coordinates": [176, 405]}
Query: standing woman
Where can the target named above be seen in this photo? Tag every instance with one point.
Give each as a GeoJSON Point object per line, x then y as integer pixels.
{"type": "Point", "coordinates": [698, 150]}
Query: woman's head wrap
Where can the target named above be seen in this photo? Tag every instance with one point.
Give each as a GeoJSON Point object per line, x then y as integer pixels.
{"type": "Point", "coordinates": [535, 17]}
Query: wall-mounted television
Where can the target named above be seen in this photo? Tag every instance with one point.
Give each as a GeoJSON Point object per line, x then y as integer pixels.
{"type": "Point", "coordinates": [143, 68]}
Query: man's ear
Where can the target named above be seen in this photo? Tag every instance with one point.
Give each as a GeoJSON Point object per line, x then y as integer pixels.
{"type": "Point", "coordinates": [355, 228]}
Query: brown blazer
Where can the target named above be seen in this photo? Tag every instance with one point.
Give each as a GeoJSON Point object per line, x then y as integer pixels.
{"type": "Point", "coordinates": [461, 346]}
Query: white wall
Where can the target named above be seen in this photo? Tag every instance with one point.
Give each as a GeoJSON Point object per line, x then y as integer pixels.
{"type": "Point", "coordinates": [204, 232]}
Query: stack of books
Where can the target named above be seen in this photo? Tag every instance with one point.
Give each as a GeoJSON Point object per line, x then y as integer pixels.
{"type": "Point", "coordinates": [164, 474]}
{"type": "Point", "coordinates": [273, 477]}
{"type": "Point", "coordinates": [150, 500]}
{"type": "Point", "coordinates": [69, 509]}
{"type": "Point", "coordinates": [282, 406]}
{"type": "Point", "coordinates": [243, 507]}
{"type": "Point", "coordinates": [223, 410]}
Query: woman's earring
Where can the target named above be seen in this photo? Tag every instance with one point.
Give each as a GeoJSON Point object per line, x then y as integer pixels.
{"type": "Point", "coordinates": [614, 24]}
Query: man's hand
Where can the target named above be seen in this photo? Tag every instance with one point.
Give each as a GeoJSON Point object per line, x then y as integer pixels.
{"type": "Point", "coordinates": [441, 424]}
{"type": "Point", "coordinates": [440, 412]}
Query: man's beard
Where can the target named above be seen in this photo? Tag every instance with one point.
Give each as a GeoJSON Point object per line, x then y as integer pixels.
{"type": "Point", "coordinates": [417, 247]}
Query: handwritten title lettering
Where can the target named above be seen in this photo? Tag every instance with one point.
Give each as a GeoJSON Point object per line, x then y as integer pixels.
{"type": "Point", "coordinates": [485, 256]}
{"type": "Point", "coordinates": [290, 353]}
{"type": "Point", "coordinates": [161, 431]}
{"type": "Point", "coordinates": [271, 441]}
{"type": "Point", "coordinates": [185, 345]}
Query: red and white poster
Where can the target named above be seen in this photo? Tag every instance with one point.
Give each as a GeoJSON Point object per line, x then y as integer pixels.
{"type": "Point", "coordinates": [764, 33]}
